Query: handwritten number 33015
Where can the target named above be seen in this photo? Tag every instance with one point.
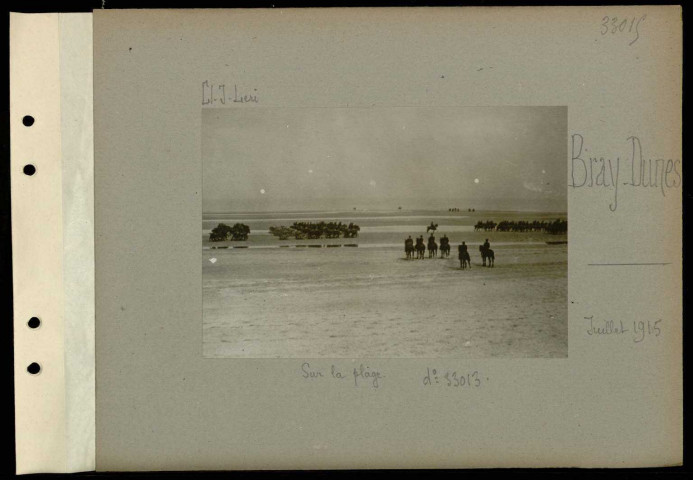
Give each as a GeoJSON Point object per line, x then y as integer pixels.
{"type": "Point", "coordinates": [616, 25]}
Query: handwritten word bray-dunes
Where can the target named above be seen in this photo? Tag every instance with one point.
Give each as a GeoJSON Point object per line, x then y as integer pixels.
{"type": "Point", "coordinates": [595, 170]}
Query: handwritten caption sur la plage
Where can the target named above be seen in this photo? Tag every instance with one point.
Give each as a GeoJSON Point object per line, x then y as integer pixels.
{"type": "Point", "coordinates": [364, 375]}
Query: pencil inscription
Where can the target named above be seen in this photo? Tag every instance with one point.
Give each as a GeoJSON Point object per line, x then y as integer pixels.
{"type": "Point", "coordinates": [447, 378]}
{"type": "Point", "coordinates": [361, 375]}
{"type": "Point", "coordinates": [613, 25]}
{"type": "Point", "coordinates": [216, 94]}
{"type": "Point", "coordinates": [591, 170]}
{"type": "Point", "coordinates": [640, 330]}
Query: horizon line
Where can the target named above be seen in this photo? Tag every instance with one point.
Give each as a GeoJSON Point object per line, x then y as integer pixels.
{"type": "Point", "coordinates": [562, 212]}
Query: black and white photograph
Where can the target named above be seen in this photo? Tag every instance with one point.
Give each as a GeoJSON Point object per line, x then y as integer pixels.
{"type": "Point", "coordinates": [385, 232]}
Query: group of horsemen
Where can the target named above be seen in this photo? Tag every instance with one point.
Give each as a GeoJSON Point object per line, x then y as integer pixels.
{"type": "Point", "coordinates": [410, 248]}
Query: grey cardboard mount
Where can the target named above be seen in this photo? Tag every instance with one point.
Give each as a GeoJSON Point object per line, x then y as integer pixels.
{"type": "Point", "coordinates": [160, 405]}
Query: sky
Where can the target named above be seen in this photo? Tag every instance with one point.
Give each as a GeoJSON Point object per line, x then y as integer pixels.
{"type": "Point", "coordinates": [268, 159]}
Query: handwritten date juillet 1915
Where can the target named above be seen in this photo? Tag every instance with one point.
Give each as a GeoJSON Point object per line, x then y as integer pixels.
{"type": "Point", "coordinates": [590, 170]}
{"type": "Point", "coordinates": [639, 332]}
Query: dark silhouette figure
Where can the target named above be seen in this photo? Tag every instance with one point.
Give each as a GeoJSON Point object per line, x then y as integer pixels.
{"type": "Point", "coordinates": [420, 248]}
{"type": "Point", "coordinates": [409, 248]}
{"type": "Point", "coordinates": [444, 246]}
{"type": "Point", "coordinates": [487, 254]}
{"type": "Point", "coordinates": [463, 255]}
{"type": "Point", "coordinates": [432, 247]}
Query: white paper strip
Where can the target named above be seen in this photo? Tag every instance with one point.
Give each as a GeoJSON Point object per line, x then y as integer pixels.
{"type": "Point", "coordinates": [77, 141]}
{"type": "Point", "coordinates": [52, 240]}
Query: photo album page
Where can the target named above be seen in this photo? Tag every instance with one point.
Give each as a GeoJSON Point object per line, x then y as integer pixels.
{"type": "Point", "coordinates": [345, 238]}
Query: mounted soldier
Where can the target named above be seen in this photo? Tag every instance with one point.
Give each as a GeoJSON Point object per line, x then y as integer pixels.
{"type": "Point", "coordinates": [432, 247]}
{"type": "Point", "coordinates": [444, 246]}
{"type": "Point", "coordinates": [487, 254]}
{"type": "Point", "coordinates": [409, 247]}
{"type": "Point", "coordinates": [420, 247]}
{"type": "Point", "coordinates": [463, 255]}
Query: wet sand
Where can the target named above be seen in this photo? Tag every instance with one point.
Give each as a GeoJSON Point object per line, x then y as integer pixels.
{"type": "Point", "coordinates": [372, 303]}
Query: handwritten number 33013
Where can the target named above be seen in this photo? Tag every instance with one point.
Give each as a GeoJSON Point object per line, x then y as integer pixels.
{"type": "Point", "coordinates": [616, 25]}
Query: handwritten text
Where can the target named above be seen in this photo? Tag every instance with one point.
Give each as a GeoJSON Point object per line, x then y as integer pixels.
{"type": "Point", "coordinates": [591, 170]}
{"type": "Point", "coordinates": [216, 94]}
{"type": "Point", "coordinates": [640, 329]}
{"type": "Point", "coordinates": [361, 375]}
{"type": "Point", "coordinates": [622, 26]}
{"type": "Point", "coordinates": [451, 378]}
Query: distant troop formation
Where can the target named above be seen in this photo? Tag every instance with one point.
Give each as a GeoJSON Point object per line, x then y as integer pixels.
{"type": "Point", "coordinates": [556, 227]}
{"type": "Point", "coordinates": [312, 231]}
{"type": "Point", "coordinates": [223, 232]}
{"type": "Point", "coordinates": [416, 249]}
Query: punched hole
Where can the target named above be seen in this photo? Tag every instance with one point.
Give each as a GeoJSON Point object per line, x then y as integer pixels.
{"type": "Point", "coordinates": [28, 120]}
{"type": "Point", "coordinates": [34, 322]}
{"type": "Point", "coordinates": [33, 368]}
{"type": "Point", "coordinates": [29, 169]}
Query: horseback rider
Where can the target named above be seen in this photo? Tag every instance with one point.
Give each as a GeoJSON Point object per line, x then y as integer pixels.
{"type": "Point", "coordinates": [462, 249]}
{"type": "Point", "coordinates": [420, 246]}
{"type": "Point", "coordinates": [431, 240]}
{"type": "Point", "coordinates": [462, 254]}
{"type": "Point", "coordinates": [487, 254]}
{"type": "Point", "coordinates": [409, 246]}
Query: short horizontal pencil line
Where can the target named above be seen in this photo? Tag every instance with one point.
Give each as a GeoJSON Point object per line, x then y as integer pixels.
{"type": "Point", "coordinates": [624, 264]}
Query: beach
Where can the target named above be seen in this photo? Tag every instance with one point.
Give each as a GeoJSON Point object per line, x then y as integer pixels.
{"type": "Point", "coordinates": [360, 297]}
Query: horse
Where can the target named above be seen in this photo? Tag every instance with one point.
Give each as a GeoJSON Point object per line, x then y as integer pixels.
{"type": "Point", "coordinates": [409, 250]}
{"type": "Point", "coordinates": [465, 261]}
{"type": "Point", "coordinates": [444, 250]}
{"type": "Point", "coordinates": [432, 227]}
{"type": "Point", "coordinates": [420, 249]}
{"type": "Point", "coordinates": [487, 254]}
{"type": "Point", "coordinates": [432, 249]}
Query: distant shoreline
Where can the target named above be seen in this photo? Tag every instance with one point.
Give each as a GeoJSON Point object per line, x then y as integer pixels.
{"type": "Point", "coordinates": [436, 211]}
